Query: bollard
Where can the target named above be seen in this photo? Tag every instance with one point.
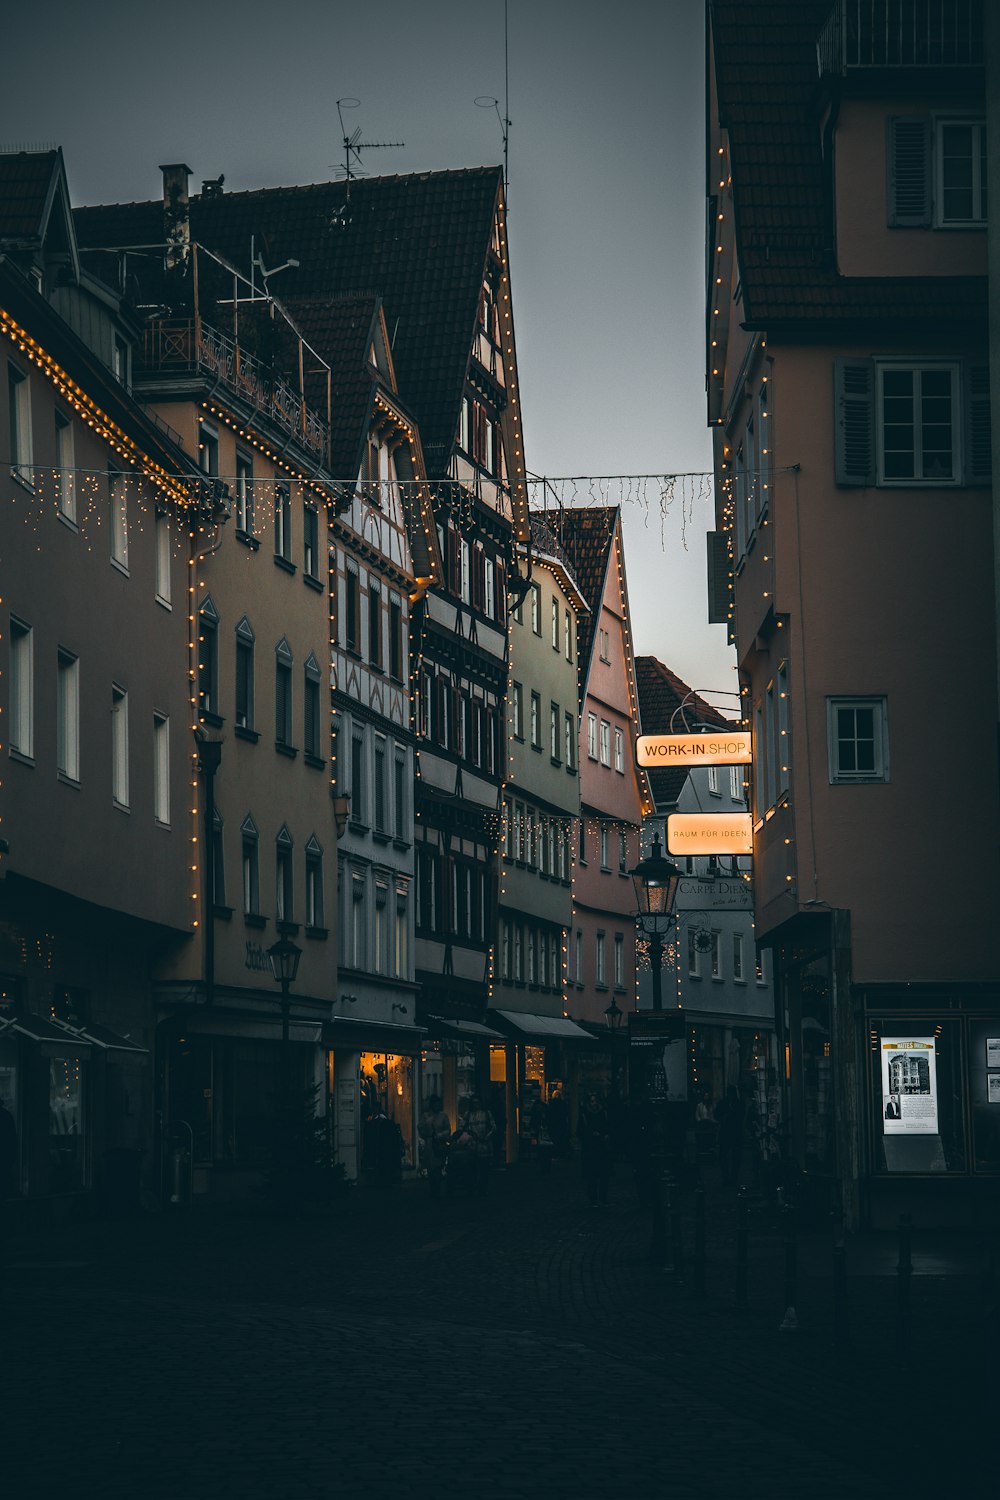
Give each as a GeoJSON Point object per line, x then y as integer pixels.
{"type": "Point", "coordinates": [699, 1240]}
{"type": "Point", "coordinates": [742, 1225]}
{"type": "Point", "coordinates": [841, 1329]}
{"type": "Point", "coordinates": [904, 1274]}
{"type": "Point", "coordinates": [790, 1322]}
{"type": "Point", "coordinates": [676, 1233]}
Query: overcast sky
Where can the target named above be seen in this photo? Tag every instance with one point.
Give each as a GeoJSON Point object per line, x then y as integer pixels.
{"type": "Point", "coordinates": [606, 198]}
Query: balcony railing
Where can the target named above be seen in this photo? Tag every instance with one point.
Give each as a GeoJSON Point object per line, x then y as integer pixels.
{"type": "Point", "coordinates": [184, 346]}
{"type": "Point", "coordinates": [901, 34]}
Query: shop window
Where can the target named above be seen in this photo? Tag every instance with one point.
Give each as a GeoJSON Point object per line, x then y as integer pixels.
{"type": "Point", "coordinates": [984, 1093]}
{"type": "Point", "coordinates": [917, 1095]}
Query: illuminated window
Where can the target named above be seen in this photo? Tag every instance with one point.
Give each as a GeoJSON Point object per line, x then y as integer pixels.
{"type": "Point", "coordinates": [536, 609]}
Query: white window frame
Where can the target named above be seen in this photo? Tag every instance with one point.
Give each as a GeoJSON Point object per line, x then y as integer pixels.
{"type": "Point", "coordinates": [19, 403]}
{"type": "Point", "coordinates": [976, 126]}
{"type": "Point", "coordinates": [600, 954]}
{"type": "Point", "coordinates": [65, 464]}
{"type": "Point", "coordinates": [250, 843]}
{"type": "Point", "coordinates": [619, 961]}
{"type": "Point", "coordinates": [592, 736]}
{"type": "Point", "coordinates": [68, 716]}
{"type": "Point", "coordinates": [736, 783]}
{"type": "Point", "coordinates": [164, 592]}
{"type": "Point", "coordinates": [315, 915]}
{"type": "Point", "coordinates": [517, 710]}
{"type": "Point", "coordinates": [21, 730]}
{"type": "Point", "coordinates": [880, 743]}
{"type": "Point", "coordinates": [713, 782]}
{"type": "Point", "coordinates": [119, 747]}
{"type": "Point", "coordinates": [619, 750]}
{"type": "Point", "coordinates": [739, 976]}
{"type": "Point", "coordinates": [568, 633]}
{"type": "Point", "coordinates": [118, 510]}
{"type": "Point", "coordinates": [161, 769]}
{"type": "Point", "coordinates": [555, 623]}
{"type": "Point", "coordinates": [244, 493]}
{"type": "Point", "coordinates": [606, 743]}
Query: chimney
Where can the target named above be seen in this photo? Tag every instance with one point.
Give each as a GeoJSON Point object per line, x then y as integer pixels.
{"type": "Point", "coordinates": [176, 218]}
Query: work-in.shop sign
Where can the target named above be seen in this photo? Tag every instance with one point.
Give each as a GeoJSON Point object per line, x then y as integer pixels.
{"type": "Point", "coordinates": [724, 749]}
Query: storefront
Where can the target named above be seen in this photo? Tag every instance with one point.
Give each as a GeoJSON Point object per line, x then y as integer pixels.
{"type": "Point", "coordinates": [931, 1081]}
{"type": "Point", "coordinates": [540, 1058]}
{"type": "Point", "coordinates": [372, 1072]}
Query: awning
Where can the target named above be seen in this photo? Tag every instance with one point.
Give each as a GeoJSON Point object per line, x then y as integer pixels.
{"type": "Point", "coordinates": [110, 1040]}
{"type": "Point", "coordinates": [40, 1029]}
{"type": "Point", "coordinates": [464, 1031]}
{"type": "Point", "coordinates": [545, 1028]}
{"type": "Point", "coordinates": [372, 1036]}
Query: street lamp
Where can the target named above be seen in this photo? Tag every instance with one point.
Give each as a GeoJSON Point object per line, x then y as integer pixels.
{"type": "Point", "coordinates": [656, 880]}
{"type": "Point", "coordinates": [283, 956]}
{"type": "Point", "coordinates": [613, 1016]}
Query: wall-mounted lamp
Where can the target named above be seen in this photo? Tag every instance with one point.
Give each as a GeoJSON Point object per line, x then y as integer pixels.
{"type": "Point", "coordinates": [341, 810]}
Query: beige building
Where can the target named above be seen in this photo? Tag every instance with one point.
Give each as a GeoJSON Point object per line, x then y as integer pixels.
{"type": "Point", "coordinates": [848, 393]}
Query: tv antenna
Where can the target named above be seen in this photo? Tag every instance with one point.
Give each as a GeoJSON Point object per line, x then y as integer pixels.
{"type": "Point", "coordinates": [487, 101]}
{"type": "Point", "coordinates": [354, 145]}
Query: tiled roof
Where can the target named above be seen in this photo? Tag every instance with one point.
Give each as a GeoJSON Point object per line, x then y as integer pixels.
{"type": "Point", "coordinates": [421, 242]}
{"type": "Point", "coordinates": [586, 536]}
{"type": "Point", "coordinates": [768, 87]}
{"type": "Point", "coordinates": [544, 540]}
{"type": "Point", "coordinates": [340, 331]}
{"type": "Point", "coordinates": [25, 183]}
{"type": "Point", "coordinates": [661, 694]}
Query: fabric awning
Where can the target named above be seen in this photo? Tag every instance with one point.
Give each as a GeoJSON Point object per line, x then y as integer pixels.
{"type": "Point", "coordinates": [544, 1028]}
{"type": "Point", "coordinates": [372, 1036]}
{"type": "Point", "coordinates": [466, 1031]}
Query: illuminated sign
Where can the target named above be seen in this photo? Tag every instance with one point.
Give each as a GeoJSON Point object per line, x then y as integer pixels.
{"type": "Point", "coordinates": [730, 749]}
{"type": "Point", "coordinates": [710, 833]}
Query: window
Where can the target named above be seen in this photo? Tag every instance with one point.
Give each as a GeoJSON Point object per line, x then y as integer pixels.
{"type": "Point", "coordinates": [284, 877]}
{"type": "Point", "coordinates": [583, 841]}
{"type": "Point", "coordinates": [715, 955]}
{"type": "Point", "coordinates": [119, 519]}
{"type": "Point", "coordinates": [555, 624]}
{"type": "Point", "coordinates": [532, 956]}
{"type": "Point", "coordinates": [21, 725]}
{"type": "Point", "coordinates": [399, 796]}
{"type": "Point", "coordinates": [923, 422]}
{"type": "Point", "coordinates": [121, 360]}
{"type": "Point", "coordinates": [605, 743]}
{"type": "Point", "coordinates": [163, 589]}
{"type": "Point", "coordinates": [738, 975]}
{"type": "Point", "coordinates": [592, 736]}
{"type": "Point", "coordinates": [283, 523]}
{"type": "Point", "coordinates": [736, 783]}
{"type": "Point", "coordinates": [568, 633]}
{"type": "Point", "coordinates": [936, 172]}
{"type": "Point", "coordinates": [578, 971]}
{"type": "Point", "coordinates": [619, 961]}
{"type": "Point", "coordinates": [161, 769]}
{"type": "Point", "coordinates": [622, 852]}
{"type": "Point", "coordinates": [375, 625]}
{"type": "Point", "coordinates": [283, 694]}
{"type": "Point", "coordinates": [604, 847]}
{"type": "Point", "coordinates": [858, 736]}
{"type": "Point", "coordinates": [693, 953]}
{"type": "Point", "coordinates": [358, 930]}
{"type": "Point", "coordinates": [619, 750]}
{"type": "Point", "coordinates": [463, 556]}
{"type": "Point", "coordinates": [489, 589]}
{"type": "Point", "coordinates": [119, 746]}
{"type": "Point", "coordinates": [604, 644]}
{"type": "Point", "coordinates": [379, 779]}
{"type": "Point", "coordinates": [536, 714]}
{"type": "Point", "coordinates": [536, 609]}
{"type": "Point", "coordinates": [395, 639]}
{"type": "Point", "coordinates": [761, 976]}
{"type": "Point", "coordinates": [359, 800]}
{"type": "Point", "coordinates": [352, 586]}
{"type": "Point", "coordinates": [517, 711]}
{"type": "Point", "coordinates": [244, 675]}
{"type": "Point", "coordinates": [569, 736]}
{"type": "Point", "coordinates": [19, 403]}
{"type": "Point", "coordinates": [713, 781]}
{"type": "Point", "coordinates": [311, 708]}
{"type": "Point", "coordinates": [218, 862]}
{"type": "Point", "coordinates": [208, 449]}
{"type": "Point", "coordinates": [66, 479]}
{"type": "Point", "coordinates": [310, 542]}
{"type": "Point", "coordinates": [251, 867]}
{"type": "Point", "coordinates": [208, 659]}
{"type": "Point", "coordinates": [554, 731]}
{"type": "Point", "coordinates": [68, 715]}
{"type": "Point", "coordinates": [244, 494]}
{"type": "Point", "coordinates": [602, 977]}
{"type": "Point", "coordinates": [402, 934]}
{"type": "Point", "coordinates": [314, 884]}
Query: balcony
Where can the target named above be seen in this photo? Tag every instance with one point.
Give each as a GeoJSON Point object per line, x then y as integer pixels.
{"type": "Point", "coordinates": [901, 34]}
{"type": "Point", "coordinates": [180, 347]}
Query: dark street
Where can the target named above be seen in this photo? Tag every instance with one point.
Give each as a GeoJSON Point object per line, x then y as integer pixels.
{"type": "Point", "coordinates": [519, 1344]}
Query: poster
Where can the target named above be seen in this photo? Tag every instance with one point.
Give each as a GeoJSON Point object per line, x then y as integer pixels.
{"type": "Point", "coordinates": [909, 1086]}
{"type": "Point", "coordinates": [993, 1051]}
{"type": "Point", "coordinates": [993, 1085]}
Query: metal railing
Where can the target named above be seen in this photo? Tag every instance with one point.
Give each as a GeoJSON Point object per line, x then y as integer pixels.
{"type": "Point", "coordinates": [182, 344]}
{"type": "Point", "coordinates": [901, 34]}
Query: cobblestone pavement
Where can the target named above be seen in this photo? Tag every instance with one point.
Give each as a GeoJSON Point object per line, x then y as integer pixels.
{"type": "Point", "coordinates": [515, 1345]}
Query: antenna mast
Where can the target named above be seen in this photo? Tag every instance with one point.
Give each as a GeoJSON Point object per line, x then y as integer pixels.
{"type": "Point", "coordinates": [354, 145]}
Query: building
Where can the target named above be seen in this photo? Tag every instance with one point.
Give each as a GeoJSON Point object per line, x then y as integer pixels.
{"type": "Point", "coordinates": [614, 792]}
{"type": "Point", "coordinates": [711, 966]}
{"type": "Point", "coordinates": [540, 819]}
{"type": "Point", "coordinates": [100, 506]}
{"type": "Point", "coordinates": [848, 394]}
